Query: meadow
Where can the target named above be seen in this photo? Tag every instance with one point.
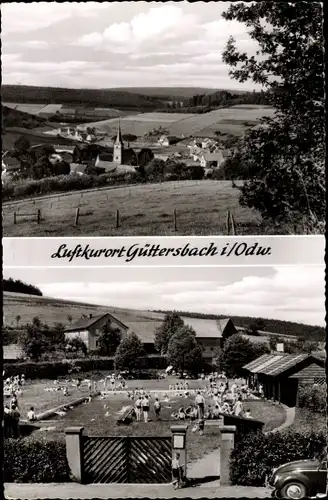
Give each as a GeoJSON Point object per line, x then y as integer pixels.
{"type": "Point", "coordinates": [231, 120]}
{"type": "Point", "coordinates": [145, 210]}
{"type": "Point", "coordinates": [53, 310]}
{"type": "Point", "coordinates": [99, 417]}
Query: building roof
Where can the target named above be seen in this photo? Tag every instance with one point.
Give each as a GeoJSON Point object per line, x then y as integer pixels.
{"type": "Point", "coordinates": [145, 330]}
{"type": "Point", "coordinates": [257, 362]}
{"type": "Point", "coordinates": [85, 323]}
{"type": "Point", "coordinates": [310, 372]}
{"type": "Point", "coordinates": [213, 156]}
{"type": "Point", "coordinates": [13, 351]}
{"type": "Point", "coordinates": [206, 328]}
{"type": "Point", "coordinates": [276, 364]}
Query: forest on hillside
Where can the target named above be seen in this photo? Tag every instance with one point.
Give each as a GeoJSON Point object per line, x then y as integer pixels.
{"type": "Point", "coordinates": [18, 286]}
{"type": "Point", "coordinates": [78, 97]}
{"type": "Point", "coordinates": [14, 118]}
{"type": "Point", "coordinates": [306, 332]}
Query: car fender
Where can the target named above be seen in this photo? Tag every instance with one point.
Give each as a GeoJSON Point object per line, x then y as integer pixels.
{"type": "Point", "coordinates": [299, 477]}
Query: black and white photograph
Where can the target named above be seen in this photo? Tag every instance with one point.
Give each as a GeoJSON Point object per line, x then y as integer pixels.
{"type": "Point", "coordinates": [161, 383]}
{"type": "Point", "coordinates": [162, 118]}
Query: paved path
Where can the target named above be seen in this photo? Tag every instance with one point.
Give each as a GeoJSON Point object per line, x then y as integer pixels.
{"type": "Point", "coordinates": [290, 417]}
{"type": "Point", "coordinates": [205, 469]}
{"type": "Point", "coordinates": [15, 491]}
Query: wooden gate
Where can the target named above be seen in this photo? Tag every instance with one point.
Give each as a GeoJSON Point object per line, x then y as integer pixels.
{"type": "Point", "coordinates": [127, 459]}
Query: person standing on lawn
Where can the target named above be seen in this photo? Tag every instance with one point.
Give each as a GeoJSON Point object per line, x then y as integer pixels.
{"type": "Point", "coordinates": [145, 408]}
{"type": "Point", "coordinates": [138, 408]}
{"type": "Point", "coordinates": [238, 407]}
{"type": "Point", "coordinates": [200, 402]}
{"type": "Point", "coordinates": [15, 415]}
{"type": "Point", "coordinates": [157, 408]}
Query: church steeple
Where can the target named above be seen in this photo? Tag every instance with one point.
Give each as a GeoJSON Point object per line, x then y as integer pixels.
{"type": "Point", "coordinates": [118, 146]}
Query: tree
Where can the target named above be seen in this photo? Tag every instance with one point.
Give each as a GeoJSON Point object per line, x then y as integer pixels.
{"type": "Point", "coordinates": [109, 339]}
{"type": "Point", "coordinates": [34, 342]}
{"type": "Point", "coordinates": [42, 168]}
{"type": "Point", "coordinates": [284, 158]}
{"type": "Point", "coordinates": [170, 325]}
{"type": "Point", "coordinates": [273, 341]}
{"type": "Point", "coordinates": [18, 318]}
{"type": "Point", "coordinates": [183, 351]}
{"type": "Point", "coordinates": [21, 145]}
{"type": "Point", "coordinates": [130, 353]}
{"type": "Point", "coordinates": [61, 168]}
{"type": "Point", "coordinates": [70, 319]}
{"type": "Point", "coordinates": [77, 345]}
{"type": "Point", "coordinates": [237, 352]}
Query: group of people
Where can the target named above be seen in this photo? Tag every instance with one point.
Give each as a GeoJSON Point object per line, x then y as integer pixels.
{"type": "Point", "coordinates": [12, 388]}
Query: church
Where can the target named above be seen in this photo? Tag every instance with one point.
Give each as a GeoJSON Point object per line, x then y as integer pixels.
{"type": "Point", "coordinates": [121, 160]}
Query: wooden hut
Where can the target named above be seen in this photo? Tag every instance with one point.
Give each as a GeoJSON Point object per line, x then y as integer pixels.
{"type": "Point", "coordinates": [281, 375]}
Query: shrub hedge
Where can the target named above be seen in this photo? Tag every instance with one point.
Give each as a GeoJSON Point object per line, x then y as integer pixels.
{"type": "Point", "coordinates": [255, 455]}
{"type": "Point", "coordinates": [35, 461]}
{"type": "Point", "coordinates": [313, 398]}
{"type": "Point", "coordinates": [54, 369]}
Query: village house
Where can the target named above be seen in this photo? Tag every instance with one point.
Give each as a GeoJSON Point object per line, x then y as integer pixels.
{"type": "Point", "coordinates": [212, 160]}
{"type": "Point", "coordinates": [168, 140]}
{"type": "Point", "coordinates": [210, 334]}
{"type": "Point", "coordinates": [282, 375]}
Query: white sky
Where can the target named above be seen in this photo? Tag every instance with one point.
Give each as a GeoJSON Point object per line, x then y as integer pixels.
{"type": "Point", "coordinates": [119, 44]}
{"type": "Point", "coordinates": [287, 293]}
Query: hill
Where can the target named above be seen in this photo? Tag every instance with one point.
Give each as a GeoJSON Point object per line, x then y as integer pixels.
{"type": "Point", "coordinates": [51, 310]}
{"type": "Point", "coordinates": [168, 92]}
{"type": "Point", "coordinates": [78, 97]}
{"type": "Point", "coordinates": [15, 118]}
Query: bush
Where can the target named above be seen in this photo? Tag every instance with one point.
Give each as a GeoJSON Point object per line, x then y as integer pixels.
{"type": "Point", "coordinates": [35, 461]}
{"type": "Point", "coordinates": [145, 374]}
{"type": "Point", "coordinates": [313, 398]}
{"type": "Point", "coordinates": [255, 455]}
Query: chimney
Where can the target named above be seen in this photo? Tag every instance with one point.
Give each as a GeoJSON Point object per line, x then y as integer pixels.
{"type": "Point", "coordinates": [90, 316]}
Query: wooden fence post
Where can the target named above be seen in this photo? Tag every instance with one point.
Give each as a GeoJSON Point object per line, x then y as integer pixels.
{"type": "Point", "coordinates": [175, 220]}
{"type": "Point", "coordinates": [39, 216]}
{"type": "Point", "coordinates": [77, 213]}
{"type": "Point", "coordinates": [233, 229]}
{"type": "Point", "coordinates": [228, 222]}
{"type": "Point", "coordinates": [117, 219]}
{"type": "Point", "coordinates": [15, 219]}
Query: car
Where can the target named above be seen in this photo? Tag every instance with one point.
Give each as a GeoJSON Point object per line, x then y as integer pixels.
{"type": "Point", "coordinates": [299, 479]}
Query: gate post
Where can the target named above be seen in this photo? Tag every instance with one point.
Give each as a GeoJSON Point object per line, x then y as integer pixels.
{"type": "Point", "coordinates": [179, 433]}
{"type": "Point", "coordinates": [74, 451]}
{"type": "Point", "coordinates": [227, 444]}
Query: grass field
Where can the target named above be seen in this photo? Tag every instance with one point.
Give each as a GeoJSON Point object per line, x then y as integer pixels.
{"type": "Point", "coordinates": [226, 120]}
{"type": "Point", "coordinates": [52, 310]}
{"type": "Point", "coordinates": [144, 210]}
{"type": "Point", "coordinates": [100, 416]}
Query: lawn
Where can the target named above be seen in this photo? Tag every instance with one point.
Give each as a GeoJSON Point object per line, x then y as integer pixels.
{"type": "Point", "coordinates": [99, 417]}
{"type": "Point", "coordinates": [145, 210]}
{"type": "Point", "coordinates": [307, 421]}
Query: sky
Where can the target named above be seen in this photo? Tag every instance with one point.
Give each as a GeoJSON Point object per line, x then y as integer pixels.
{"type": "Point", "coordinates": [119, 44]}
{"type": "Point", "coordinates": [294, 293]}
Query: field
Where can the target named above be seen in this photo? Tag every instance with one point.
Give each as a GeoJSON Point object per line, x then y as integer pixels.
{"type": "Point", "coordinates": [100, 416]}
{"type": "Point", "coordinates": [144, 210]}
{"type": "Point", "coordinates": [52, 310]}
{"type": "Point", "coordinates": [226, 120]}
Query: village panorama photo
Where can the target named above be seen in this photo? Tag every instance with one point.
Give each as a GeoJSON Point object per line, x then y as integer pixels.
{"type": "Point", "coordinates": [130, 383]}
{"type": "Point", "coordinates": [163, 118]}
